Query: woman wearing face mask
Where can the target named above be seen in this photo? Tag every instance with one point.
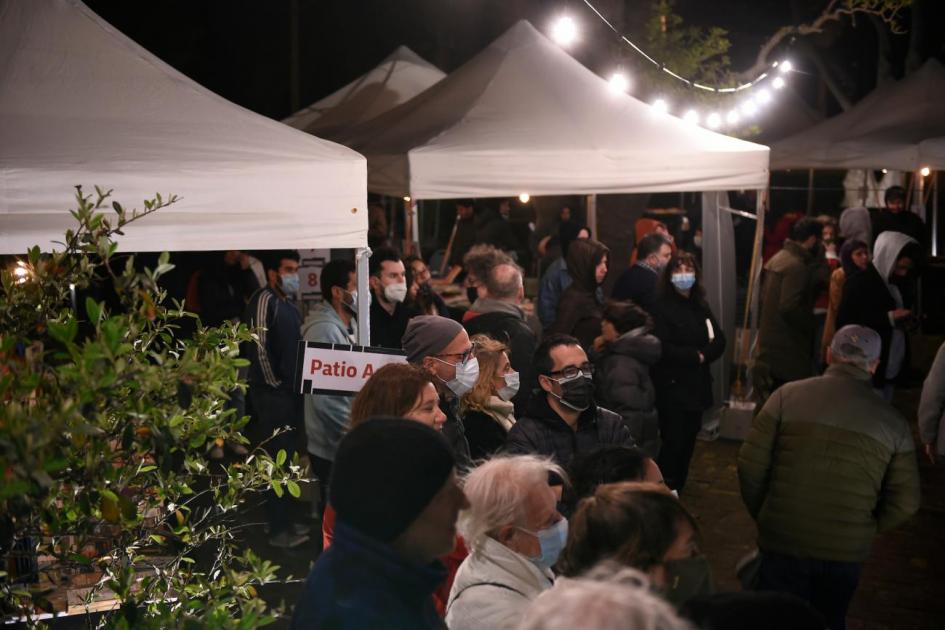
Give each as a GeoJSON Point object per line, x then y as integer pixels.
{"type": "Point", "coordinates": [487, 410]}
{"type": "Point", "coordinates": [579, 311]}
{"type": "Point", "coordinates": [639, 525]}
{"type": "Point", "coordinates": [691, 340]}
{"type": "Point", "coordinates": [402, 391]}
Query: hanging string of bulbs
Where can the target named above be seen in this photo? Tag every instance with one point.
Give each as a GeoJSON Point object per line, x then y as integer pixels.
{"type": "Point", "coordinates": [565, 32]}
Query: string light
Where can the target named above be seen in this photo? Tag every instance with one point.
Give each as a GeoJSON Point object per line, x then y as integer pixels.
{"type": "Point", "coordinates": [661, 106]}
{"type": "Point", "coordinates": [407, 199]}
{"type": "Point", "coordinates": [691, 117]}
{"type": "Point", "coordinates": [778, 83]}
{"type": "Point", "coordinates": [524, 197]}
{"type": "Point", "coordinates": [785, 66]}
{"type": "Point", "coordinates": [749, 108]}
{"type": "Point", "coordinates": [564, 31]}
{"type": "Point", "coordinates": [763, 97]}
{"type": "Point", "coordinates": [925, 171]}
{"type": "Point", "coordinates": [714, 120]}
{"type": "Point", "coordinates": [732, 117]}
{"type": "Point", "coordinates": [618, 83]}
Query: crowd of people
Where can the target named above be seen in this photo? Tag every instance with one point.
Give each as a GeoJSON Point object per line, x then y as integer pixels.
{"type": "Point", "coordinates": [522, 471]}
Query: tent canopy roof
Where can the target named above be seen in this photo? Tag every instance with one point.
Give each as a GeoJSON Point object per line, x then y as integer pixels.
{"type": "Point", "coordinates": [524, 116]}
{"type": "Point", "coordinates": [895, 126]}
{"type": "Point", "coordinates": [399, 77]}
{"type": "Point", "coordinates": [80, 103]}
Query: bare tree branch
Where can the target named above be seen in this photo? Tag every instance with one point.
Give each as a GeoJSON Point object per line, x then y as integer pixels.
{"type": "Point", "coordinates": [885, 10]}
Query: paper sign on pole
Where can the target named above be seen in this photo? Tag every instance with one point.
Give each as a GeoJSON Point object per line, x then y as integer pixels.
{"type": "Point", "coordinates": [339, 369]}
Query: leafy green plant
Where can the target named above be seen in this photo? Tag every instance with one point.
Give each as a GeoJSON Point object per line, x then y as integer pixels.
{"type": "Point", "coordinates": [106, 418]}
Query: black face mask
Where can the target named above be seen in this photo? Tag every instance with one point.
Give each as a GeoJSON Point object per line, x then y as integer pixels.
{"type": "Point", "coordinates": [425, 291]}
{"type": "Point", "coordinates": [576, 394]}
{"type": "Point", "coordinates": [471, 294]}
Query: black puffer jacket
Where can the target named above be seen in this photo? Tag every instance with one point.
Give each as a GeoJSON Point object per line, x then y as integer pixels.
{"type": "Point", "coordinates": [579, 311]}
{"type": "Point", "coordinates": [624, 385]}
{"type": "Point", "coordinates": [543, 432]}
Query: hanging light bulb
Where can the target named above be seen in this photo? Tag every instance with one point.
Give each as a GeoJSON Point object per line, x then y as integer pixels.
{"type": "Point", "coordinates": [691, 117]}
{"type": "Point", "coordinates": [618, 83]}
{"type": "Point", "coordinates": [778, 83]}
{"type": "Point", "coordinates": [407, 199]}
{"type": "Point", "coordinates": [763, 97]}
{"type": "Point", "coordinates": [785, 66]}
{"type": "Point", "coordinates": [749, 108]}
{"type": "Point", "coordinates": [732, 118]}
{"type": "Point", "coordinates": [660, 106]}
{"type": "Point", "coordinates": [524, 197]}
{"type": "Point", "coordinates": [925, 171]}
{"type": "Point", "coordinates": [564, 31]}
{"type": "Point", "coordinates": [714, 120]}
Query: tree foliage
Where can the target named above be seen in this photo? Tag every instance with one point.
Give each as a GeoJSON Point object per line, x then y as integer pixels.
{"type": "Point", "coordinates": [106, 419]}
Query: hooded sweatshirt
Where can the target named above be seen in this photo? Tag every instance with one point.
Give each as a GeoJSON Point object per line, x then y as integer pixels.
{"type": "Point", "coordinates": [855, 224]}
{"type": "Point", "coordinates": [889, 246]}
{"type": "Point", "coordinates": [579, 312]}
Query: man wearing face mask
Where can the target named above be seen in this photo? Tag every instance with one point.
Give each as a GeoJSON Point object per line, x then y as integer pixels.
{"type": "Point", "coordinates": [638, 283]}
{"type": "Point", "coordinates": [515, 535]}
{"type": "Point", "coordinates": [277, 321]}
{"type": "Point", "coordinates": [389, 315]}
{"type": "Point", "coordinates": [441, 347]}
{"type": "Point", "coordinates": [332, 321]}
{"type": "Point", "coordinates": [562, 419]}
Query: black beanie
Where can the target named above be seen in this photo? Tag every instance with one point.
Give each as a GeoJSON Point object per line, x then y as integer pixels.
{"type": "Point", "coordinates": [386, 472]}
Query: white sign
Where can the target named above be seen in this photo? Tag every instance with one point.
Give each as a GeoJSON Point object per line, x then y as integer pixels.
{"type": "Point", "coordinates": [337, 369]}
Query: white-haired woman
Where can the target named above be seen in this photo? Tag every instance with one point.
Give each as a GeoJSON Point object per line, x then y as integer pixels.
{"type": "Point", "coordinates": [515, 535]}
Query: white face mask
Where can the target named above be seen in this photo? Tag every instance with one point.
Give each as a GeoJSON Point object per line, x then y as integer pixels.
{"type": "Point", "coordinates": [512, 383]}
{"type": "Point", "coordinates": [395, 292]}
{"type": "Point", "coordinates": [466, 376]}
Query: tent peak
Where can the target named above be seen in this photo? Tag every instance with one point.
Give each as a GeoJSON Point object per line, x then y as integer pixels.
{"type": "Point", "coordinates": [404, 53]}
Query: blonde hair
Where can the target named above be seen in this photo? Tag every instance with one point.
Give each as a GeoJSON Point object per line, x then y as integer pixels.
{"type": "Point", "coordinates": [489, 354]}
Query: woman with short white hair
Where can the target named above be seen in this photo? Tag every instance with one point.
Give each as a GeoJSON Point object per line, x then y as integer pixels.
{"type": "Point", "coordinates": [515, 535]}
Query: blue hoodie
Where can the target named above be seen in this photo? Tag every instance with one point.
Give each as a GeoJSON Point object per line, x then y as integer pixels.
{"type": "Point", "coordinates": [326, 417]}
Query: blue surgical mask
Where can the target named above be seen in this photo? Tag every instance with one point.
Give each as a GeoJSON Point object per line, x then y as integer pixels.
{"type": "Point", "coordinates": [551, 540]}
{"type": "Point", "coordinates": [466, 376]}
{"type": "Point", "coordinates": [683, 281]}
{"type": "Point", "coordinates": [512, 383]}
{"type": "Point", "coordinates": [290, 284]}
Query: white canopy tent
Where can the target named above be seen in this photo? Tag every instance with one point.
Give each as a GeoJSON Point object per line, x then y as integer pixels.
{"type": "Point", "coordinates": [399, 77]}
{"type": "Point", "coordinates": [524, 116]}
{"type": "Point", "coordinates": [897, 126]}
{"type": "Point", "coordinates": [80, 103]}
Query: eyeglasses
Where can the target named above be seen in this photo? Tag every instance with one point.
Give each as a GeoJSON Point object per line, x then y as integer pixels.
{"type": "Point", "coordinates": [573, 371]}
{"type": "Point", "coordinates": [463, 356]}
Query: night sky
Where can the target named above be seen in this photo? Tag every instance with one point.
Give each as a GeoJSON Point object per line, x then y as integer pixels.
{"type": "Point", "coordinates": [241, 48]}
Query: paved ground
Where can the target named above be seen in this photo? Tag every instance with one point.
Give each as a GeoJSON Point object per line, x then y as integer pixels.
{"type": "Point", "coordinates": [903, 583]}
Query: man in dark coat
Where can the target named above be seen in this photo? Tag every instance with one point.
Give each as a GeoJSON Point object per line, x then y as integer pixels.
{"type": "Point", "coordinates": [501, 317]}
{"type": "Point", "coordinates": [389, 314]}
{"type": "Point", "coordinates": [562, 419]}
{"type": "Point", "coordinates": [895, 217]}
{"type": "Point", "coordinates": [792, 280]}
{"type": "Point", "coordinates": [638, 283]}
{"type": "Point", "coordinates": [395, 516]}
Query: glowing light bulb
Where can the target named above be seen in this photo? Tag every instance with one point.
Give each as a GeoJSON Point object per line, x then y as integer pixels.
{"type": "Point", "coordinates": [785, 66]}
{"type": "Point", "coordinates": [885, 171]}
{"type": "Point", "coordinates": [618, 83]}
{"type": "Point", "coordinates": [564, 31]}
{"type": "Point", "coordinates": [660, 106]}
{"type": "Point", "coordinates": [749, 108]}
{"type": "Point", "coordinates": [524, 197]}
{"type": "Point", "coordinates": [778, 83]}
{"type": "Point", "coordinates": [763, 97]}
{"type": "Point", "coordinates": [732, 118]}
{"type": "Point", "coordinates": [407, 199]}
{"type": "Point", "coordinates": [714, 120]}
{"type": "Point", "coordinates": [925, 171]}
{"type": "Point", "coordinates": [691, 117]}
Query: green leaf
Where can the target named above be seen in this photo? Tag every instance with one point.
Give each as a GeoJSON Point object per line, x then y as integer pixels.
{"type": "Point", "coordinates": [281, 457]}
{"type": "Point", "coordinates": [94, 310]}
{"type": "Point", "coordinates": [277, 488]}
{"type": "Point", "coordinates": [293, 488]}
{"type": "Point", "coordinates": [64, 332]}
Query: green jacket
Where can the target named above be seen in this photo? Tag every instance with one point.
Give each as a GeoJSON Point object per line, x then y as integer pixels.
{"type": "Point", "coordinates": [786, 331]}
{"type": "Point", "coordinates": [826, 465]}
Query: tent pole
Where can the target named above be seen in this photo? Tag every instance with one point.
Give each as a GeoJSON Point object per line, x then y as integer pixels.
{"type": "Point", "coordinates": [810, 190]}
{"type": "Point", "coordinates": [415, 226]}
{"type": "Point", "coordinates": [935, 214]}
{"type": "Point", "coordinates": [361, 257]}
{"type": "Point", "coordinates": [591, 205]}
{"type": "Point", "coordinates": [743, 341]}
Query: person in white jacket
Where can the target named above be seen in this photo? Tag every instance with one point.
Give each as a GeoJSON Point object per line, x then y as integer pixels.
{"type": "Point", "coordinates": [515, 535]}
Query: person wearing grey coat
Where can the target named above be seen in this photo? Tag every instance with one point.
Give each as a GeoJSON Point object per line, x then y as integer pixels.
{"type": "Point", "coordinates": [932, 408]}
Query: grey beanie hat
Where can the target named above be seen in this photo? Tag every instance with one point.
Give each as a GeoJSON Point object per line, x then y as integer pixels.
{"type": "Point", "coordinates": [428, 335]}
{"type": "Point", "coordinates": [856, 343]}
